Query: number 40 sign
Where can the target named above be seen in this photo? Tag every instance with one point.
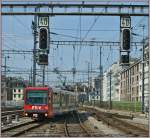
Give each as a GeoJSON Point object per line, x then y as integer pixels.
{"type": "Point", "coordinates": [125, 22]}
{"type": "Point", "coordinates": [43, 21]}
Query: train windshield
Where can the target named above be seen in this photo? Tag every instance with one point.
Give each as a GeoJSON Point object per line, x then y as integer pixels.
{"type": "Point", "coordinates": [37, 97]}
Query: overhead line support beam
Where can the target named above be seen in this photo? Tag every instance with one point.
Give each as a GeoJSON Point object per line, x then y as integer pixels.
{"type": "Point", "coordinates": [74, 9]}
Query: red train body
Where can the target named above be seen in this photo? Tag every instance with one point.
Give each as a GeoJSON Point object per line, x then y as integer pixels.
{"type": "Point", "coordinates": [45, 102]}
{"type": "Point", "coordinates": [37, 102]}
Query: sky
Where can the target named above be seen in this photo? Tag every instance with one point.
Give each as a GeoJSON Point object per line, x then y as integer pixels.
{"type": "Point", "coordinates": [17, 34]}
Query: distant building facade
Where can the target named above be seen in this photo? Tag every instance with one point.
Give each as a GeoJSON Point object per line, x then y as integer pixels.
{"type": "Point", "coordinates": [131, 81]}
{"type": "Point", "coordinates": [3, 90]}
{"type": "Point", "coordinates": [18, 93]}
{"type": "Point", "coordinates": [94, 96]}
{"type": "Point", "coordinates": [7, 87]}
{"type": "Point", "coordinates": [111, 76]}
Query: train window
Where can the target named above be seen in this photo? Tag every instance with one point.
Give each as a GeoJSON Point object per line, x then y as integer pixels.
{"type": "Point", "coordinates": [63, 99]}
{"type": "Point", "coordinates": [55, 98]}
{"type": "Point", "coordinates": [66, 99]}
{"type": "Point", "coordinates": [36, 97]}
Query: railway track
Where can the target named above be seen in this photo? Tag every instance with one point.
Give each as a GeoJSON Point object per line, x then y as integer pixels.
{"type": "Point", "coordinates": [74, 127]}
{"type": "Point", "coordinates": [6, 116]}
{"type": "Point", "coordinates": [51, 128]}
{"type": "Point", "coordinates": [68, 125]}
{"type": "Point", "coordinates": [20, 129]}
{"type": "Point", "coordinates": [58, 127]}
{"type": "Point", "coordinates": [4, 113]}
{"type": "Point", "coordinates": [129, 128]}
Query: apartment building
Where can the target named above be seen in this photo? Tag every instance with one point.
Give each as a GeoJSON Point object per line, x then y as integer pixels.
{"type": "Point", "coordinates": [111, 74]}
{"type": "Point", "coordinates": [18, 93]}
{"type": "Point", "coordinates": [131, 81]}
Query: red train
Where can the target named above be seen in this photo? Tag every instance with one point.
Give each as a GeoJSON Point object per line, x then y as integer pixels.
{"type": "Point", "coordinates": [45, 102]}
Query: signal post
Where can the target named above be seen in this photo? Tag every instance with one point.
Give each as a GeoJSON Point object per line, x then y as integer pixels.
{"type": "Point", "coordinates": [125, 35]}
{"type": "Point", "coordinates": [43, 49]}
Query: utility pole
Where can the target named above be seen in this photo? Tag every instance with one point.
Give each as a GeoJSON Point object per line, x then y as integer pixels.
{"type": "Point", "coordinates": [88, 80]}
{"type": "Point", "coordinates": [74, 68]}
{"type": "Point", "coordinates": [31, 77]}
{"type": "Point", "coordinates": [143, 72]}
{"type": "Point", "coordinates": [5, 66]}
{"type": "Point", "coordinates": [100, 80]}
{"type": "Point", "coordinates": [34, 25]}
{"type": "Point", "coordinates": [43, 82]}
{"type": "Point", "coordinates": [110, 102]}
{"type": "Point", "coordinates": [5, 90]}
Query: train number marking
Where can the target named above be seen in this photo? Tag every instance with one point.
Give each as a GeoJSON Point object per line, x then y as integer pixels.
{"type": "Point", "coordinates": [36, 108]}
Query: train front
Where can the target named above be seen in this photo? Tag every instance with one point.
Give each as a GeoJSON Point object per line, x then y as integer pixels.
{"type": "Point", "coordinates": [37, 102]}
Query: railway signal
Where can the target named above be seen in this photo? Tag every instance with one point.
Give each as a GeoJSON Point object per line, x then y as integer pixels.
{"type": "Point", "coordinates": [126, 39]}
{"type": "Point", "coordinates": [43, 24]}
{"type": "Point", "coordinates": [43, 59]}
{"type": "Point", "coordinates": [43, 39]}
{"type": "Point", "coordinates": [125, 29]}
{"type": "Point", "coordinates": [124, 59]}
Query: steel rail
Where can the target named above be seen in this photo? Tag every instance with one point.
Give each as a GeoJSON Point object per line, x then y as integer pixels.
{"type": "Point", "coordinates": [66, 128]}
{"type": "Point", "coordinates": [17, 126]}
{"type": "Point", "coordinates": [128, 128]}
{"type": "Point", "coordinates": [22, 128]}
{"type": "Point", "coordinates": [75, 116]}
{"type": "Point", "coordinates": [82, 126]}
{"type": "Point", "coordinates": [11, 112]}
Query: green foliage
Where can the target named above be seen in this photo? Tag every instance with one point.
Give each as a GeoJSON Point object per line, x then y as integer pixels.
{"type": "Point", "coordinates": [129, 106]}
{"type": "Point", "coordinates": [119, 105]}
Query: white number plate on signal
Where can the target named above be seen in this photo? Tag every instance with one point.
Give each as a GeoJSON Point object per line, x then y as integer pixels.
{"type": "Point", "coordinates": [125, 22]}
{"type": "Point", "coordinates": [43, 21]}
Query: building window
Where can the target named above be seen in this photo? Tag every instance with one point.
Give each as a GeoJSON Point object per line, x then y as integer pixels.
{"type": "Point", "coordinates": [14, 90]}
{"type": "Point", "coordinates": [132, 89]}
{"type": "Point", "coordinates": [19, 90]}
{"type": "Point", "coordinates": [19, 96]}
{"type": "Point", "coordinates": [132, 80]}
{"type": "Point", "coordinates": [137, 67]}
{"type": "Point", "coordinates": [137, 78]}
{"type": "Point", "coordinates": [14, 95]}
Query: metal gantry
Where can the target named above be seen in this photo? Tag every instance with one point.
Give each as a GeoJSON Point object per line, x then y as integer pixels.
{"type": "Point", "coordinates": [91, 43]}
{"type": "Point", "coordinates": [75, 43]}
{"type": "Point", "coordinates": [50, 71]}
{"type": "Point", "coordinates": [61, 9]}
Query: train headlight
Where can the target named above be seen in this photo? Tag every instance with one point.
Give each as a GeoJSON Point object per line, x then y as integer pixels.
{"type": "Point", "coordinates": [45, 114]}
{"type": "Point", "coordinates": [26, 114]}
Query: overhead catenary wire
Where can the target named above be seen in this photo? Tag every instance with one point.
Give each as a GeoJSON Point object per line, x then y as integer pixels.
{"type": "Point", "coordinates": [90, 28]}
